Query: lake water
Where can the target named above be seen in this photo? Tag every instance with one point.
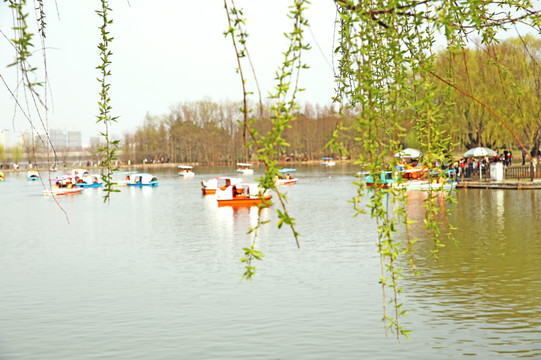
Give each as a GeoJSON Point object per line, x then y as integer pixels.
{"type": "Point", "coordinates": [155, 274]}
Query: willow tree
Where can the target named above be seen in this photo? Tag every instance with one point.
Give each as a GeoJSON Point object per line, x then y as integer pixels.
{"type": "Point", "coordinates": [521, 57]}
{"type": "Point", "coordinates": [506, 76]}
{"type": "Point", "coordinates": [384, 72]}
{"type": "Point", "coordinates": [385, 76]}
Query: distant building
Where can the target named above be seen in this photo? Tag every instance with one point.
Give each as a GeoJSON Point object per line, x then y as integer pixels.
{"type": "Point", "coordinates": [5, 138]}
{"type": "Point", "coordinates": [58, 139]}
{"type": "Point", "coordinates": [75, 140]}
{"type": "Point", "coordinates": [96, 141]}
{"type": "Point", "coordinates": [25, 138]}
{"type": "Point", "coordinates": [62, 139]}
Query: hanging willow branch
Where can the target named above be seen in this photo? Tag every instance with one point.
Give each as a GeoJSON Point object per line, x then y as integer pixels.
{"type": "Point", "coordinates": [23, 46]}
{"type": "Point", "coordinates": [385, 75]}
{"type": "Point", "coordinates": [108, 151]}
{"type": "Point", "coordinates": [269, 145]}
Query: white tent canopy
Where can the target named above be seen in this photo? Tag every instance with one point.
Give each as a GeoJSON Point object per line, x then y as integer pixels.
{"type": "Point", "coordinates": [480, 152]}
{"type": "Point", "coordinates": [408, 153]}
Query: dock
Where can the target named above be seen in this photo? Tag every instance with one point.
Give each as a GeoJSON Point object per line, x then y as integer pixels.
{"type": "Point", "coordinates": [506, 184]}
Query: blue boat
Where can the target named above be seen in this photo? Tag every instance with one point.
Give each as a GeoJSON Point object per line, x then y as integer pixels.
{"type": "Point", "coordinates": [89, 181]}
{"type": "Point", "coordinates": [287, 178]}
{"type": "Point", "coordinates": [327, 161]}
{"type": "Point", "coordinates": [33, 175]}
{"type": "Point", "coordinates": [385, 181]}
{"type": "Point", "coordinates": [142, 179]}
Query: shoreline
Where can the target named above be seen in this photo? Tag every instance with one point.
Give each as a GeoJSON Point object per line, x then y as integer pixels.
{"type": "Point", "coordinates": [171, 165]}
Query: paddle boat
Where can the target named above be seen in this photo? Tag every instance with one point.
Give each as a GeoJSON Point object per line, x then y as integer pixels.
{"type": "Point", "coordinates": [62, 191]}
{"type": "Point", "coordinates": [73, 177]}
{"type": "Point", "coordinates": [63, 186]}
{"type": "Point", "coordinates": [142, 179]}
{"type": "Point", "coordinates": [185, 170]}
{"type": "Point", "coordinates": [2, 176]}
{"type": "Point", "coordinates": [441, 179]}
{"type": "Point", "coordinates": [64, 180]}
{"type": "Point", "coordinates": [220, 182]}
{"type": "Point", "coordinates": [421, 185]}
{"type": "Point", "coordinates": [89, 181]}
{"type": "Point", "coordinates": [245, 168]}
{"type": "Point", "coordinates": [417, 178]}
{"type": "Point", "coordinates": [385, 179]}
{"type": "Point", "coordinates": [285, 178]}
{"type": "Point", "coordinates": [327, 161]}
{"type": "Point", "coordinates": [242, 194]}
{"type": "Point", "coordinates": [416, 172]}
{"type": "Point", "coordinates": [388, 179]}
{"type": "Point", "coordinates": [32, 175]}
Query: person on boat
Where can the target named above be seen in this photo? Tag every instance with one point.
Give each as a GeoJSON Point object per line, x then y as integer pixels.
{"type": "Point", "coordinates": [288, 177]}
{"type": "Point", "coordinates": [234, 191]}
{"type": "Point", "coordinates": [140, 180]}
{"type": "Point", "coordinates": [69, 184]}
{"type": "Point", "coordinates": [57, 185]}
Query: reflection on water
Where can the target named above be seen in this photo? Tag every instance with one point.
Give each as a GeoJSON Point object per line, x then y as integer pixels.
{"type": "Point", "coordinates": [489, 283]}
{"type": "Point", "coordinates": [232, 218]}
{"type": "Point", "coordinates": [155, 273]}
{"type": "Point", "coordinates": [240, 216]}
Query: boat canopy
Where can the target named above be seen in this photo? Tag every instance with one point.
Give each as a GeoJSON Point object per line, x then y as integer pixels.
{"type": "Point", "coordinates": [144, 177]}
{"type": "Point", "coordinates": [287, 170]}
{"type": "Point", "coordinates": [92, 179]}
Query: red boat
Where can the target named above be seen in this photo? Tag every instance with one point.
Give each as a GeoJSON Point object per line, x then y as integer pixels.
{"type": "Point", "coordinates": [220, 182]}
{"type": "Point", "coordinates": [242, 194]}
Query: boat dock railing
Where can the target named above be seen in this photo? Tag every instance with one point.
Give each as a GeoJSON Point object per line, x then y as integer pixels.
{"type": "Point", "coordinates": [522, 172]}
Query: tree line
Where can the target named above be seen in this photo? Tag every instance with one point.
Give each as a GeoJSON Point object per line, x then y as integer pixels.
{"type": "Point", "coordinates": [209, 132]}
{"type": "Point", "coordinates": [206, 131]}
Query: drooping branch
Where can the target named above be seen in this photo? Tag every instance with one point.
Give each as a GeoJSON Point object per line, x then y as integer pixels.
{"type": "Point", "coordinates": [487, 108]}
{"type": "Point", "coordinates": [104, 104]}
{"type": "Point", "coordinates": [488, 22]}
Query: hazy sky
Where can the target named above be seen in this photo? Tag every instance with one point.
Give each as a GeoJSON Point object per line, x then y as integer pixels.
{"type": "Point", "coordinates": [165, 52]}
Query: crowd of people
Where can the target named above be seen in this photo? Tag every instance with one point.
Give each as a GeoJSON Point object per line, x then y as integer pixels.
{"type": "Point", "coordinates": [465, 167]}
{"type": "Point", "coordinates": [471, 167]}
